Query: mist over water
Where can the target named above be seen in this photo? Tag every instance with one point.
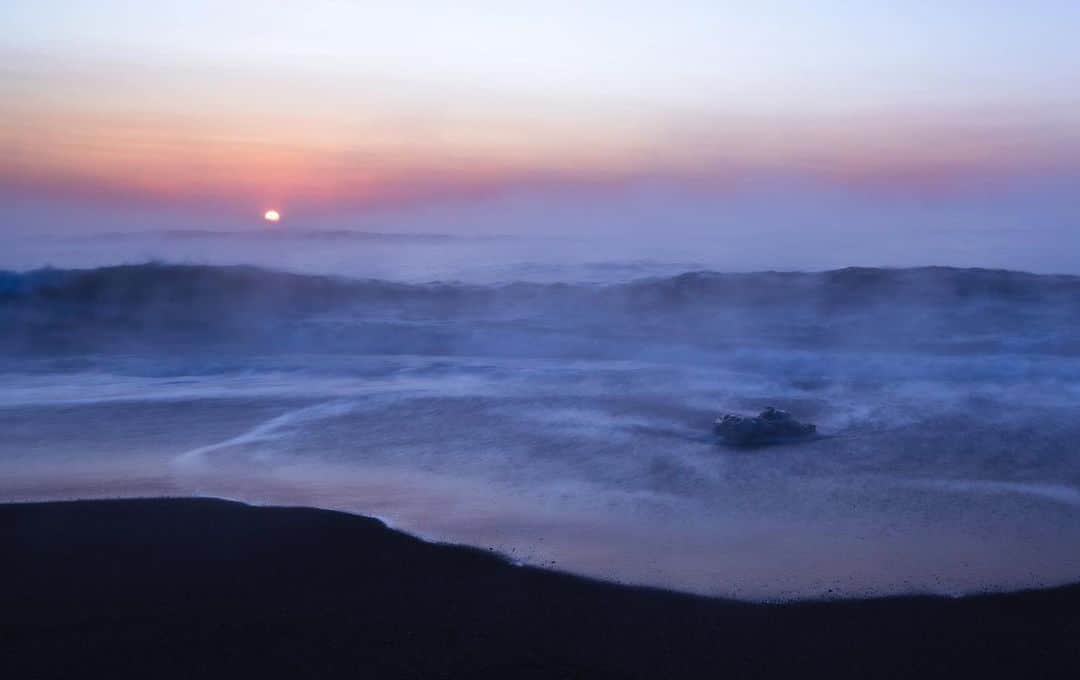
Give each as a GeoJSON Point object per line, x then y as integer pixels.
{"type": "Point", "coordinates": [556, 404]}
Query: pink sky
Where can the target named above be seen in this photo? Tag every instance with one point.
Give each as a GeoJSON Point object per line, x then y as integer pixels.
{"type": "Point", "coordinates": [338, 111]}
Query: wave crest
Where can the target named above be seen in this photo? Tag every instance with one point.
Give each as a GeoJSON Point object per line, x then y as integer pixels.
{"type": "Point", "coordinates": [180, 306]}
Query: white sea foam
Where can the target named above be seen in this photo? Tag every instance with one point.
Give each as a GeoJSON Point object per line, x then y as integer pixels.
{"type": "Point", "coordinates": [271, 430]}
{"type": "Point", "coordinates": [1057, 493]}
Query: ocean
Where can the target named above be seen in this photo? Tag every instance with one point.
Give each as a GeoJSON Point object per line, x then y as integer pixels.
{"type": "Point", "coordinates": [558, 410]}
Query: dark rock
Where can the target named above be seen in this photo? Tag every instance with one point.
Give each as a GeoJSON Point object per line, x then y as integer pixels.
{"type": "Point", "coordinates": [771, 426]}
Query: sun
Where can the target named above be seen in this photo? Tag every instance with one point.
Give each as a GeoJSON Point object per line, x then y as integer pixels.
{"type": "Point", "coordinates": [271, 216]}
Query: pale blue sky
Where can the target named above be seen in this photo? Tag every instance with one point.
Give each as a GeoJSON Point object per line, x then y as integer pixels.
{"type": "Point", "coordinates": [756, 56]}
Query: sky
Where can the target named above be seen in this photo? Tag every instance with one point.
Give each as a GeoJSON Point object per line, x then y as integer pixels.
{"type": "Point", "coordinates": [489, 116]}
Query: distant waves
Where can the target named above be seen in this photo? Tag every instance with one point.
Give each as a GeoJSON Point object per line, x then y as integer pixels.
{"type": "Point", "coordinates": [936, 310]}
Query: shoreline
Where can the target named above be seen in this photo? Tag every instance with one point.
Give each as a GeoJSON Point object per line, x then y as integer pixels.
{"type": "Point", "coordinates": [189, 587]}
{"type": "Point", "coordinates": [170, 492]}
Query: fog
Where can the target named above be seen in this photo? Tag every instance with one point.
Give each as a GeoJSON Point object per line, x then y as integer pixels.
{"type": "Point", "coordinates": [766, 224]}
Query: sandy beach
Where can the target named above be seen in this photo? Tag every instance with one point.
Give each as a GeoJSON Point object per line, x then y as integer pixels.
{"type": "Point", "coordinates": [185, 588]}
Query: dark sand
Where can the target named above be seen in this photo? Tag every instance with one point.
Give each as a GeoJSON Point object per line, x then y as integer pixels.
{"type": "Point", "coordinates": [207, 588]}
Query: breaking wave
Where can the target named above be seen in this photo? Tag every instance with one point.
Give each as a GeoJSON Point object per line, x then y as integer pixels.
{"type": "Point", "coordinates": [938, 310]}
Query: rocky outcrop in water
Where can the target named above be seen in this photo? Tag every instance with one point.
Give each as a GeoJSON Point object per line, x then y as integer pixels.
{"type": "Point", "coordinates": [771, 426]}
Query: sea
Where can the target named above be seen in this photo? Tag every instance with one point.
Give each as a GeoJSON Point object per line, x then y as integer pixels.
{"type": "Point", "coordinates": [554, 403]}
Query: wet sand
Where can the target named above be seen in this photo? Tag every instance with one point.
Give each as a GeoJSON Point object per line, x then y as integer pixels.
{"type": "Point", "coordinates": [183, 588]}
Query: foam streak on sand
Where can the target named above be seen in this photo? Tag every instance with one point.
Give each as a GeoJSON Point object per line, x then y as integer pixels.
{"type": "Point", "coordinates": [268, 431]}
{"type": "Point", "coordinates": [1058, 493]}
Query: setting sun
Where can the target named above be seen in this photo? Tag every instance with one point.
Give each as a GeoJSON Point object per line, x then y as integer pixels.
{"type": "Point", "coordinates": [271, 216]}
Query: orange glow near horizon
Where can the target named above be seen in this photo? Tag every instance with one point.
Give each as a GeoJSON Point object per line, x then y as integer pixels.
{"type": "Point", "coordinates": [325, 149]}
